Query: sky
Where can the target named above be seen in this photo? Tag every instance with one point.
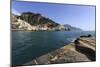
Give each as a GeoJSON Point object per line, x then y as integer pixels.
{"type": "Point", "coordinates": [80, 16]}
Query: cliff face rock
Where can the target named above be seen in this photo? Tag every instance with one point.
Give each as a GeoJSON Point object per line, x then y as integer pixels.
{"type": "Point", "coordinates": [87, 46]}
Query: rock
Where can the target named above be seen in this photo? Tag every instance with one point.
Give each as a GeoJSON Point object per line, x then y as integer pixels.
{"type": "Point", "coordinates": [89, 35]}
{"type": "Point", "coordinates": [86, 48]}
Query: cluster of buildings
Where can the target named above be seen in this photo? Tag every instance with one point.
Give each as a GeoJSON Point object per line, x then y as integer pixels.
{"type": "Point", "coordinates": [22, 25]}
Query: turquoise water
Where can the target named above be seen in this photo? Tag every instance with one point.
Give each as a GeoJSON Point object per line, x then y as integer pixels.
{"type": "Point", "coordinates": [27, 45]}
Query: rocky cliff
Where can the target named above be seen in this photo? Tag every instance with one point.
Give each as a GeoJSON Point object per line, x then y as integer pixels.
{"type": "Point", "coordinates": [35, 21]}
{"type": "Point", "coordinates": [32, 21]}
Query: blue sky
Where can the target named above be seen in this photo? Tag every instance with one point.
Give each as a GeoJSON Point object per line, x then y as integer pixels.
{"type": "Point", "coordinates": [76, 15]}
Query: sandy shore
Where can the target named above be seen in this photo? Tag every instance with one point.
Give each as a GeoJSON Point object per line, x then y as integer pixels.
{"type": "Point", "coordinates": [84, 51]}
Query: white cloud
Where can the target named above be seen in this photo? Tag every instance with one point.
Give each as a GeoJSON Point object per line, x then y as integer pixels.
{"type": "Point", "coordinates": [15, 12]}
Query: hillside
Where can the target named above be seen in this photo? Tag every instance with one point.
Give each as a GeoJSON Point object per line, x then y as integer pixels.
{"type": "Point", "coordinates": [32, 21]}
{"type": "Point", "coordinates": [35, 21]}
{"type": "Point", "coordinates": [72, 28]}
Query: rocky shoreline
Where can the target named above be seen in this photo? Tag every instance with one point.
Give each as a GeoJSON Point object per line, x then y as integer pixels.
{"type": "Point", "coordinates": [81, 50]}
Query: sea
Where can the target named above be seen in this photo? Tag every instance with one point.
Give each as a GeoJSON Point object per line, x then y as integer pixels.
{"type": "Point", "coordinates": [28, 45]}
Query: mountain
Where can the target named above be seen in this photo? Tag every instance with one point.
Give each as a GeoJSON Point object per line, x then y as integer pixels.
{"type": "Point", "coordinates": [71, 28]}
{"type": "Point", "coordinates": [31, 21]}
{"type": "Point", "coordinates": [35, 21]}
